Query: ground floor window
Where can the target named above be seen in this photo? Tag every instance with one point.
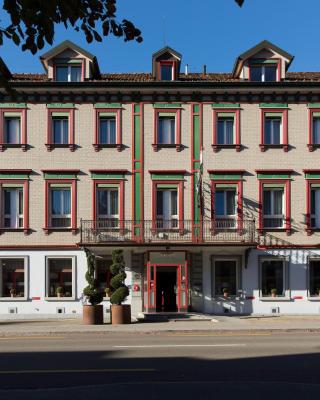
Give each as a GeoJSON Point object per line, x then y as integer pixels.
{"type": "Point", "coordinates": [314, 277]}
{"type": "Point", "coordinates": [60, 277]}
{"type": "Point", "coordinates": [103, 275]}
{"type": "Point", "coordinates": [273, 277]}
{"type": "Point", "coordinates": [225, 273]}
{"type": "Point", "coordinates": [12, 277]}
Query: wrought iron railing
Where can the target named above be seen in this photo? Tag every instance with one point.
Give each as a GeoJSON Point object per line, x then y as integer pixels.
{"type": "Point", "coordinates": [188, 231]}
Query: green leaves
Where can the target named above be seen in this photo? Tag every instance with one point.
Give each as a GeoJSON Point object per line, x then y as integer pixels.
{"type": "Point", "coordinates": [33, 22]}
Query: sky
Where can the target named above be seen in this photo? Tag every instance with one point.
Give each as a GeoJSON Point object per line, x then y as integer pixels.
{"type": "Point", "coordinates": [210, 32]}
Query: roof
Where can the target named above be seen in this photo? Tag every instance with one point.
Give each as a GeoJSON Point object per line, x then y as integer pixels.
{"type": "Point", "coordinates": [191, 77]}
{"type": "Point", "coordinates": [167, 49]}
{"type": "Point", "coordinates": [265, 44]}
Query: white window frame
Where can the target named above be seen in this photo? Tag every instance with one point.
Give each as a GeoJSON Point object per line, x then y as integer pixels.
{"type": "Point", "coordinates": [69, 66]}
{"type": "Point", "coordinates": [26, 278]}
{"type": "Point", "coordinates": [274, 216]}
{"type": "Point", "coordinates": [175, 129]}
{"type": "Point", "coordinates": [238, 259]}
{"type": "Point", "coordinates": [108, 216]}
{"type": "Point", "coordinates": [53, 118]}
{"type": "Point", "coordinates": [225, 215]}
{"type": "Point", "coordinates": [47, 278]}
{"type": "Point", "coordinates": [266, 117]}
{"type": "Point", "coordinates": [109, 117]}
{"type": "Point", "coordinates": [263, 72]}
{"type": "Point", "coordinates": [224, 130]}
{"type": "Point", "coordinates": [285, 271]}
{"type": "Point", "coordinates": [167, 223]}
{"type": "Point", "coordinates": [59, 216]}
{"type": "Point", "coordinates": [16, 216]}
{"type": "Point", "coordinates": [7, 116]}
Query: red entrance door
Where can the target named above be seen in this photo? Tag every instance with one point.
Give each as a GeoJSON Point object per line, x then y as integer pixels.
{"type": "Point", "coordinates": [167, 286]}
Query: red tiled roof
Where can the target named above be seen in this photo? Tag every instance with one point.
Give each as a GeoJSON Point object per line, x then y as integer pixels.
{"type": "Point", "coordinates": [191, 77]}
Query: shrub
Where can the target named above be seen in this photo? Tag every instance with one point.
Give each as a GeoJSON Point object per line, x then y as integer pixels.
{"type": "Point", "coordinates": [59, 290]}
{"type": "Point", "coordinates": [119, 290]}
{"type": "Point", "coordinates": [91, 291]}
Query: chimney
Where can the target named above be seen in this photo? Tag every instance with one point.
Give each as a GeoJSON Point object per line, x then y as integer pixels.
{"type": "Point", "coordinates": [204, 73]}
{"type": "Point", "coordinates": [186, 69]}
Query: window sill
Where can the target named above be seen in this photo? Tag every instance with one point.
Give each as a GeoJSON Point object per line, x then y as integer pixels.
{"type": "Point", "coordinates": [310, 231]}
{"type": "Point", "coordinates": [158, 146]}
{"type": "Point", "coordinates": [60, 298]}
{"type": "Point", "coordinates": [4, 146]}
{"type": "Point", "coordinates": [26, 231]}
{"type": "Point", "coordinates": [265, 230]}
{"type": "Point", "coordinates": [14, 299]}
{"type": "Point", "coordinates": [52, 146]}
{"type": "Point", "coordinates": [221, 297]}
{"type": "Point", "coordinates": [312, 147]}
{"type": "Point", "coordinates": [217, 147]}
{"type": "Point", "coordinates": [313, 298]}
{"type": "Point", "coordinates": [280, 298]}
{"type": "Point", "coordinates": [99, 146]}
{"type": "Point", "coordinates": [47, 231]}
{"type": "Point", "coordinates": [264, 147]}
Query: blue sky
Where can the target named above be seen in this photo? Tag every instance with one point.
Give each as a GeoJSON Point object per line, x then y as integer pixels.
{"type": "Point", "coordinates": [211, 32]}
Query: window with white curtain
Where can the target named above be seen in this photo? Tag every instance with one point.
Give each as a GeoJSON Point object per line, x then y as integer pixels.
{"type": "Point", "coordinates": [12, 207]}
{"type": "Point", "coordinates": [273, 130]}
{"type": "Point", "coordinates": [273, 207]}
{"type": "Point", "coordinates": [60, 130]}
{"type": "Point", "coordinates": [107, 130]}
{"type": "Point", "coordinates": [225, 206]}
{"type": "Point", "coordinates": [166, 130]}
{"type": "Point", "coordinates": [60, 207]}
{"type": "Point", "coordinates": [12, 130]}
{"type": "Point", "coordinates": [316, 129]}
{"type": "Point", "coordinates": [108, 206]}
{"type": "Point", "coordinates": [263, 73]}
{"type": "Point", "coordinates": [225, 130]}
{"type": "Point", "coordinates": [315, 207]}
{"type": "Point", "coordinates": [167, 208]}
{"type": "Point", "coordinates": [69, 73]}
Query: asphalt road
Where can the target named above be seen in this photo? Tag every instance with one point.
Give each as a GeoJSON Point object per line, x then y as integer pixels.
{"type": "Point", "coordinates": [164, 366]}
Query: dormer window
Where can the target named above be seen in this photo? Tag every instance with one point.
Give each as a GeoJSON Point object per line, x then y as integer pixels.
{"type": "Point", "coordinates": [263, 73]}
{"type": "Point", "coordinates": [69, 73]}
{"type": "Point", "coordinates": [167, 71]}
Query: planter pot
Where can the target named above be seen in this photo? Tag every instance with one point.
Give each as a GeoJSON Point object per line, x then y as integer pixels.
{"type": "Point", "coordinates": [92, 315]}
{"type": "Point", "coordinates": [120, 314]}
{"type": "Point", "coordinates": [225, 295]}
{"type": "Point", "coordinates": [273, 295]}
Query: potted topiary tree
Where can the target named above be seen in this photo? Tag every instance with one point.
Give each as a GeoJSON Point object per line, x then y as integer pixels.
{"type": "Point", "coordinates": [274, 292]}
{"type": "Point", "coordinates": [92, 312]}
{"type": "Point", "coordinates": [120, 313]}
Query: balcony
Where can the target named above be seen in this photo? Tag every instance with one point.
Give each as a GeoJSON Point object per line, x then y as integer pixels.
{"type": "Point", "coordinates": [220, 231]}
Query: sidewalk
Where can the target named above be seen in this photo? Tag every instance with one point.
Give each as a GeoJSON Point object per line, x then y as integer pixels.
{"type": "Point", "coordinates": [218, 324]}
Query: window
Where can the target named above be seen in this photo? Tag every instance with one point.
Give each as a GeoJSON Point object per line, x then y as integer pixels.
{"type": "Point", "coordinates": [274, 128]}
{"type": "Point", "coordinates": [315, 207]}
{"type": "Point", "coordinates": [107, 130]}
{"type": "Point", "coordinates": [225, 277]}
{"type": "Point", "coordinates": [312, 200]}
{"type": "Point", "coordinates": [314, 277]}
{"type": "Point", "coordinates": [60, 277]}
{"type": "Point", "coordinates": [60, 129]}
{"type": "Point", "coordinates": [13, 277]}
{"type": "Point", "coordinates": [226, 207]}
{"type": "Point", "coordinates": [108, 206]}
{"type": "Point", "coordinates": [68, 73]}
{"type": "Point", "coordinates": [167, 208]}
{"type": "Point", "coordinates": [225, 130]}
{"type": "Point", "coordinates": [273, 207]}
{"type": "Point", "coordinates": [166, 72]}
{"type": "Point", "coordinates": [272, 278]}
{"type": "Point", "coordinates": [167, 125]}
{"type": "Point", "coordinates": [60, 207]}
{"type": "Point", "coordinates": [12, 129]}
{"type": "Point", "coordinates": [103, 275]}
{"type": "Point", "coordinates": [166, 130]}
{"type": "Point", "coordinates": [263, 73]}
{"type": "Point", "coordinates": [13, 207]}
{"type": "Point", "coordinates": [314, 128]}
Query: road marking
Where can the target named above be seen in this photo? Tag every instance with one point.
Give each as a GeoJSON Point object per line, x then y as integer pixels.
{"type": "Point", "coordinates": [31, 337]}
{"type": "Point", "coordinates": [217, 334]}
{"type": "Point", "coordinates": [153, 346]}
{"type": "Point", "coordinates": [64, 371]}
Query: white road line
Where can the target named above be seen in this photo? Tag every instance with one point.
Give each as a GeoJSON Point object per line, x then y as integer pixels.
{"type": "Point", "coordinates": [154, 346]}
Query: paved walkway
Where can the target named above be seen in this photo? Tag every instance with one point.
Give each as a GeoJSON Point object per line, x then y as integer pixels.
{"type": "Point", "coordinates": [218, 324]}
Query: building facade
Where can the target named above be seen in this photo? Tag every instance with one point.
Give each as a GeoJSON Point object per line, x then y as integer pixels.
{"type": "Point", "coordinates": [210, 183]}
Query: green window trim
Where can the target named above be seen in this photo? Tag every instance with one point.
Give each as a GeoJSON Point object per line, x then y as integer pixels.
{"type": "Point", "coordinates": [225, 115]}
{"type": "Point", "coordinates": [231, 177]}
{"type": "Point", "coordinates": [166, 114]}
{"type": "Point", "coordinates": [274, 176]}
{"type": "Point", "coordinates": [14, 176]}
{"type": "Point", "coordinates": [97, 175]}
{"type": "Point", "coordinates": [54, 175]}
{"type": "Point", "coordinates": [316, 114]}
{"type": "Point", "coordinates": [167, 186]}
{"type": "Point", "coordinates": [311, 175]}
{"type": "Point", "coordinates": [105, 114]}
{"type": "Point", "coordinates": [12, 114]}
{"type": "Point", "coordinates": [273, 105]}
{"type": "Point", "coordinates": [259, 62]}
{"type": "Point", "coordinates": [13, 105]}
{"type": "Point", "coordinates": [60, 105]}
{"type": "Point", "coordinates": [12, 185]}
{"type": "Point", "coordinates": [167, 105]}
{"type": "Point", "coordinates": [273, 185]}
{"type": "Point", "coordinates": [107, 105]}
{"type": "Point", "coordinates": [167, 177]}
{"type": "Point", "coordinates": [315, 185]}
{"type": "Point", "coordinates": [226, 105]}
{"type": "Point", "coordinates": [277, 115]}
{"type": "Point", "coordinates": [60, 185]}
{"type": "Point", "coordinates": [313, 105]}
{"type": "Point", "coordinates": [60, 114]}
{"type": "Point", "coordinates": [108, 185]}
{"type": "Point", "coordinates": [226, 186]}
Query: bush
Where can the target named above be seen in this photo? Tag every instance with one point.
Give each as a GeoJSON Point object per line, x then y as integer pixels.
{"type": "Point", "coordinates": [91, 291]}
{"type": "Point", "coordinates": [119, 290]}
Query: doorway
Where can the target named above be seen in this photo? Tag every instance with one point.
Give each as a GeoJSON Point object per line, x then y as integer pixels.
{"type": "Point", "coordinates": [166, 297]}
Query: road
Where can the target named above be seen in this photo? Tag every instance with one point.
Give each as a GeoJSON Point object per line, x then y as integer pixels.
{"type": "Point", "coordinates": [163, 366]}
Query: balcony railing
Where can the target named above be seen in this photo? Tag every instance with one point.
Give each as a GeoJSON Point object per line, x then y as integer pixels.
{"type": "Point", "coordinates": [208, 231]}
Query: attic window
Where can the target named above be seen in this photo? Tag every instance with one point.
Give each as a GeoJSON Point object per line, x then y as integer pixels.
{"type": "Point", "coordinates": [263, 73]}
{"type": "Point", "coordinates": [68, 73]}
{"type": "Point", "coordinates": [167, 71]}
